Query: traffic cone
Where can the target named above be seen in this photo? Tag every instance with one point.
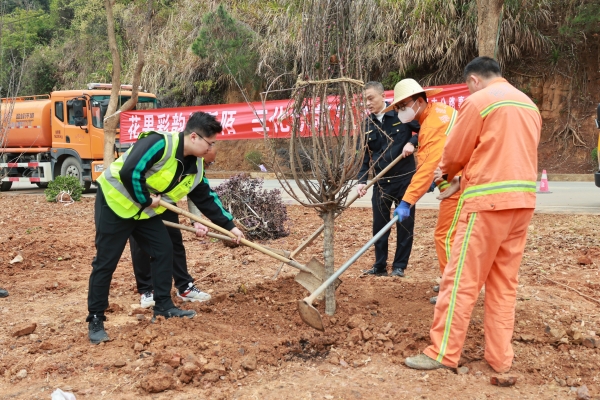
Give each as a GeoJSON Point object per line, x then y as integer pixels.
{"type": "Point", "coordinates": [544, 183]}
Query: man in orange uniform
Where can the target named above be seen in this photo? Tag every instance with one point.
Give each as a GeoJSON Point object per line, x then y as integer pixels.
{"type": "Point", "coordinates": [436, 121]}
{"type": "Point", "coordinates": [495, 143]}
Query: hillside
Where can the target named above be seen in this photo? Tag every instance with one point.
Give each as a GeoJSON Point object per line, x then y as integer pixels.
{"type": "Point", "coordinates": [548, 48]}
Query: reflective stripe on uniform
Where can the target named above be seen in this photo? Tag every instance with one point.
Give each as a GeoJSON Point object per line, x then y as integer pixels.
{"type": "Point", "coordinates": [154, 187]}
{"type": "Point", "coordinates": [184, 187]}
{"type": "Point", "coordinates": [506, 103]}
{"type": "Point", "coordinates": [452, 121]}
{"type": "Point", "coordinates": [483, 190]}
{"type": "Point", "coordinates": [499, 187]}
{"type": "Point", "coordinates": [459, 268]}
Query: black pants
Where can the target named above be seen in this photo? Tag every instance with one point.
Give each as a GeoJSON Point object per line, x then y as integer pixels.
{"type": "Point", "coordinates": [384, 196]}
{"type": "Point", "coordinates": [141, 260]}
{"type": "Point", "coordinates": [112, 233]}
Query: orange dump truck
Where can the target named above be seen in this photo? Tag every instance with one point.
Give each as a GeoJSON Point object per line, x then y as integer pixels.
{"type": "Point", "coordinates": [59, 134]}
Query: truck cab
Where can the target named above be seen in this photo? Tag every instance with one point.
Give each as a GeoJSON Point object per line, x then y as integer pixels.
{"type": "Point", "coordinates": [61, 134]}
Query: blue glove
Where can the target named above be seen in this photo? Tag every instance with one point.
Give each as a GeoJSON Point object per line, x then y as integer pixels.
{"type": "Point", "coordinates": [402, 211]}
{"type": "Point", "coordinates": [432, 187]}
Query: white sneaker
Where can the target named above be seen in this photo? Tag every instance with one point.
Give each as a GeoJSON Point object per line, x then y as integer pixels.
{"type": "Point", "coordinates": [192, 293]}
{"type": "Point", "coordinates": [147, 300]}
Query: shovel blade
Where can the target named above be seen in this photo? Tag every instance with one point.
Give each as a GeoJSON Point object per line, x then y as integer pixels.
{"type": "Point", "coordinates": [310, 315]}
{"type": "Point", "coordinates": [312, 280]}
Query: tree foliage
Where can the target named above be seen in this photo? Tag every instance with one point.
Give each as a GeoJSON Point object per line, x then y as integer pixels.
{"type": "Point", "coordinates": [228, 43]}
{"type": "Point", "coordinates": [259, 40]}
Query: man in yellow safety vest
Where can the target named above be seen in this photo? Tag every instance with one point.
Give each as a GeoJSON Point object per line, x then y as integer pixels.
{"type": "Point", "coordinates": [159, 165]}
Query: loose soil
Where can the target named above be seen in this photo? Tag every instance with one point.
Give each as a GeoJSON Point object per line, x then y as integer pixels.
{"type": "Point", "coordinates": [249, 342]}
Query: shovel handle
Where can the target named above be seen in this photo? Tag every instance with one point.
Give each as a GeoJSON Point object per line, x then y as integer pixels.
{"type": "Point", "coordinates": [351, 261]}
{"type": "Point", "coordinates": [320, 229]}
{"type": "Point", "coordinates": [217, 236]}
{"type": "Point", "coordinates": [224, 231]}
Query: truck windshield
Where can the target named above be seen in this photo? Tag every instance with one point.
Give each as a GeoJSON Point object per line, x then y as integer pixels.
{"type": "Point", "coordinates": [99, 104]}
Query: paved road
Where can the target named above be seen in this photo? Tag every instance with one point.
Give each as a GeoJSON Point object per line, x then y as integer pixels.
{"type": "Point", "coordinates": [564, 197]}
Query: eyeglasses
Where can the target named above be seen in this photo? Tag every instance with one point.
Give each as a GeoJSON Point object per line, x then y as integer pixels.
{"type": "Point", "coordinates": [210, 144]}
{"type": "Point", "coordinates": [402, 106]}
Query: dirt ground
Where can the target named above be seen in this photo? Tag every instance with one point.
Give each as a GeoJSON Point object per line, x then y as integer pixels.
{"type": "Point", "coordinates": [249, 342]}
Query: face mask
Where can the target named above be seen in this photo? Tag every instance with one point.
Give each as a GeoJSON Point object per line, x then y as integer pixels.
{"type": "Point", "coordinates": [408, 114]}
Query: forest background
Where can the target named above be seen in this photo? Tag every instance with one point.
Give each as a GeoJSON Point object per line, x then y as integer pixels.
{"type": "Point", "coordinates": [549, 49]}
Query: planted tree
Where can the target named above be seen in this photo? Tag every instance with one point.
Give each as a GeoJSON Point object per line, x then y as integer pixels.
{"type": "Point", "coordinates": [328, 112]}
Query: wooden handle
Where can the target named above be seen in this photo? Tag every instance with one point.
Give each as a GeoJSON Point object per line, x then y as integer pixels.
{"type": "Point", "coordinates": [283, 253]}
{"type": "Point", "coordinates": [245, 242]}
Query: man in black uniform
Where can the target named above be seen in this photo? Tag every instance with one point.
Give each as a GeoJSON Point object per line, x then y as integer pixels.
{"type": "Point", "coordinates": [381, 150]}
{"type": "Point", "coordinates": [159, 164]}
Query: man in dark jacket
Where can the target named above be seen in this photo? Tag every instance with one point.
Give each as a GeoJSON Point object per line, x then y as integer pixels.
{"type": "Point", "coordinates": [386, 138]}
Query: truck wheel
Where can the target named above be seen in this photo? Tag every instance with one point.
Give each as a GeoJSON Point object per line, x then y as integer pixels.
{"type": "Point", "coordinates": [71, 167]}
{"type": "Point", "coordinates": [5, 186]}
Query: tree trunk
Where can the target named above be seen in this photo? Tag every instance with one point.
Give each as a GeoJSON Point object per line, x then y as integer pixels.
{"type": "Point", "coordinates": [328, 241]}
{"type": "Point", "coordinates": [110, 120]}
{"type": "Point", "coordinates": [112, 115]}
{"type": "Point", "coordinates": [489, 13]}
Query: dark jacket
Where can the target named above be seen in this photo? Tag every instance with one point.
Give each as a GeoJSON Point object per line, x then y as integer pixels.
{"type": "Point", "coordinates": [377, 151]}
{"type": "Point", "coordinates": [148, 151]}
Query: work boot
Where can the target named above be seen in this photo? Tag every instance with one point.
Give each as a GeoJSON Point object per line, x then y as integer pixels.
{"type": "Point", "coordinates": [192, 293]}
{"type": "Point", "coordinates": [377, 271]}
{"type": "Point", "coordinates": [433, 300]}
{"type": "Point", "coordinates": [96, 331]}
{"type": "Point", "coordinates": [398, 272]}
{"type": "Point", "coordinates": [173, 312]}
{"type": "Point", "coordinates": [423, 362]}
{"type": "Point", "coordinates": [436, 288]}
{"type": "Point", "coordinates": [3, 293]}
{"type": "Point", "coordinates": [147, 299]}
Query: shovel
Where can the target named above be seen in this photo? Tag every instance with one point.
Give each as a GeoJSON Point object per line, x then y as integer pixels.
{"type": "Point", "coordinates": [283, 253]}
{"type": "Point", "coordinates": [309, 314]}
{"type": "Point", "coordinates": [320, 229]}
{"type": "Point", "coordinates": [311, 276]}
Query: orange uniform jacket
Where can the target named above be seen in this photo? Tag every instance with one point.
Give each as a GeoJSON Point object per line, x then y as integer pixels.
{"type": "Point", "coordinates": [436, 121]}
{"type": "Point", "coordinates": [493, 149]}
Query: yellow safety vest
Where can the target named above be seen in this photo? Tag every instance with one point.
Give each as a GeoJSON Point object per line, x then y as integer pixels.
{"type": "Point", "coordinates": [158, 179]}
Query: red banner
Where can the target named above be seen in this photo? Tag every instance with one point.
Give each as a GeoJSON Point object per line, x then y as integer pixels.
{"type": "Point", "coordinates": [239, 121]}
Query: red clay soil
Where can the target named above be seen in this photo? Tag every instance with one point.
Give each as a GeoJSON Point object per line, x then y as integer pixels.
{"type": "Point", "coordinates": [249, 342]}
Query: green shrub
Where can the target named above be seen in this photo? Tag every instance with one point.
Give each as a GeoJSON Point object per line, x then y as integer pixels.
{"type": "Point", "coordinates": [68, 184]}
{"type": "Point", "coordinates": [594, 154]}
{"type": "Point", "coordinates": [254, 158]}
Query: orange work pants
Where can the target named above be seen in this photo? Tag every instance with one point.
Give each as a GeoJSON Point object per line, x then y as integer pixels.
{"type": "Point", "coordinates": [487, 249]}
{"type": "Point", "coordinates": [443, 243]}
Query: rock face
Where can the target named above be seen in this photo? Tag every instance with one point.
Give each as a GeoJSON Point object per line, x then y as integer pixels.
{"type": "Point", "coordinates": [24, 329]}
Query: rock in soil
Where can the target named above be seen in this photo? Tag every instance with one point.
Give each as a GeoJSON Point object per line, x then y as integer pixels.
{"type": "Point", "coordinates": [584, 260]}
{"type": "Point", "coordinates": [583, 393]}
{"type": "Point", "coordinates": [157, 383]}
{"type": "Point", "coordinates": [503, 380]}
{"type": "Point", "coordinates": [462, 371]}
{"type": "Point", "coordinates": [249, 363]}
{"type": "Point", "coordinates": [24, 329]}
